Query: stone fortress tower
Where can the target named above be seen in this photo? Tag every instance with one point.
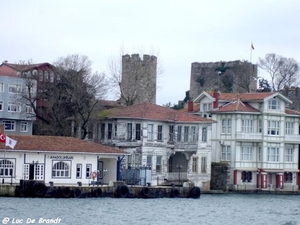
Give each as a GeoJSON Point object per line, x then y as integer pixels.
{"type": "Point", "coordinates": [232, 76]}
{"type": "Point", "coordinates": [138, 83]}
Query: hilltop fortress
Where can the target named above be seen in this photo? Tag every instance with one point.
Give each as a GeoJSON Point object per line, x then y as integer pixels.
{"type": "Point", "coordinates": [233, 76]}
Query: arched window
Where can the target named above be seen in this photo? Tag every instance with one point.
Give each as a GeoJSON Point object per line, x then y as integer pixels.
{"type": "Point", "coordinates": [61, 169]}
{"type": "Point", "coordinates": [6, 168]}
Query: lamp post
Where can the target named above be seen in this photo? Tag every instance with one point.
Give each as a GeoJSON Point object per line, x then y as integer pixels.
{"type": "Point", "coordinates": [179, 168]}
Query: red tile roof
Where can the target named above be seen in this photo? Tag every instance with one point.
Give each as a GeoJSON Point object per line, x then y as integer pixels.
{"type": "Point", "coordinates": [242, 96]}
{"type": "Point", "coordinates": [152, 111]}
{"type": "Point", "coordinates": [59, 144]}
{"type": "Point", "coordinates": [20, 67]}
{"type": "Point", "coordinates": [290, 111]}
{"type": "Point", "coordinates": [236, 106]}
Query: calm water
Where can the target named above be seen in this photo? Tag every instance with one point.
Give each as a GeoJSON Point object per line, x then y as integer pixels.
{"type": "Point", "coordinates": [209, 209]}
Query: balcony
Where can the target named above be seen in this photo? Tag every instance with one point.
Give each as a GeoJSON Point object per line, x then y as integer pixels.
{"type": "Point", "coordinates": [292, 138]}
{"type": "Point", "coordinates": [254, 137]}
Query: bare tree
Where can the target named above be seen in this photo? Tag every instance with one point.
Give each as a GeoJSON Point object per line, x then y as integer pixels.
{"type": "Point", "coordinates": [84, 89]}
{"type": "Point", "coordinates": [288, 74]}
{"type": "Point", "coordinates": [284, 72]}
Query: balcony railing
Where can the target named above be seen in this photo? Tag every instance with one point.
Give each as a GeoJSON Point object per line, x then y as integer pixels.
{"type": "Point", "coordinates": [249, 136]}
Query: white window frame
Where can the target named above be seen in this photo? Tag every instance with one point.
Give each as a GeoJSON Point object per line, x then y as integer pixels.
{"type": "Point", "coordinates": [274, 104]}
{"type": "Point", "coordinates": [289, 127]}
{"type": "Point", "coordinates": [246, 153]}
{"type": "Point", "coordinates": [61, 169]}
{"type": "Point", "coordinates": [289, 154]}
{"type": "Point", "coordinates": [150, 136]}
{"type": "Point", "coordinates": [78, 171]}
{"type": "Point", "coordinates": [9, 124]}
{"type": "Point", "coordinates": [226, 126]}
{"type": "Point", "coordinates": [1, 87]}
{"type": "Point", "coordinates": [14, 88]}
{"type": "Point", "coordinates": [39, 171]}
{"type": "Point", "coordinates": [247, 125]}
{"type": "Point", "coordinates": [195, 164]}
{"type": "Point", "coordinates": [88, 171]}
{"type": "Point", "coordinates": [159, 164]}
{"type": "Point", "coordinates": [24, 125]}
{"type": "Point", "coordinates": [273, 127]}
{"type": "Point", "coordinates": [13, 107]}
{"type": "Point", "coordinates": [226, 153]}
{"type": "Point", "coordinates": [160, 135]}
{"type": "Point", "coordinates": [7, 168]}
{"type": "Point", "coordinates": [273, 154]}
{"type": "Point", "coordinates": [186, 133]}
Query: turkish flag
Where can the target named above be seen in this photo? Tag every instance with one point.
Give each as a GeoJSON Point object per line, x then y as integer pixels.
{"type": "Point", "coordinates": [2, 138]}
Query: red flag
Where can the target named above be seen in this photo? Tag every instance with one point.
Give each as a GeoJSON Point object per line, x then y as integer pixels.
{"type": "Point", "coordinates": [2, 133]}
{"type": "Point", "coordinates": [252, 46]}
{"type": "Point", "coordinates": [2, 138]}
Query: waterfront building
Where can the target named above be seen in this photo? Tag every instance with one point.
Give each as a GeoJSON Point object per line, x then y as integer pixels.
{"type": "Point", "coordinates": [58, 160]}
{"type": "Point", "coordinates": [257, 135]}
{"type": "Point", "coordinates": [174, 146]}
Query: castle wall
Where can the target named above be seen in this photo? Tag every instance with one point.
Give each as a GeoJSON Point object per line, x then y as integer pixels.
{"type": "Point", "coordinates": [213, 75]}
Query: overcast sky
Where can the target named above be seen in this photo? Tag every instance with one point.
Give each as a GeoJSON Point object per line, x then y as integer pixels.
{"type": "Point", "coordinates": [180, 32]}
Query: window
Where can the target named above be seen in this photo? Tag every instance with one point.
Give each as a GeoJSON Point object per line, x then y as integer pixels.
{"type": "Point", "coordinates": [226, 153]}
{"type": "Point", "coordinates": [61, 169]}
{"type": "Point", "coordinates": [259, 153]}
{"type": "Point", "coordinates": [41, 76]}
{"type": "Point", "coordinates": [171, 133]}
{"type": "Point", "coordinates": [26, 171]}
{"type": "Point", "coordinates": [39, 172]}
{"type": "Point", "coordinates": [88, 171]}
{"type": "Point", "coordinates": [203, 164]}
{"type": "Point", "coordinates": [129, 131]}
{"type": "Point", "coordinates": [247, 126]}
{"type": "Point", "coordinates": [273, 127]}
{"type": "Point", "coordinates": [274, 104]}
{"type": "Point", "coordinates": [226, 126]}
{"type": "Point", "coordinates": [204, 134]}
{"type": "Point", "coordinates": [159, 132]}
{"type": "Point", "coordinates": [288, 177]}
{"type": "Point", "coordinates": [109, 131]}
{"type": "Point", "coordinates": [158, 164]}
{"type": "Point", "coordinates": [289, 128]}
{"type": "Point", "coordinates": [51, 76]}
{"type": "Point", "coordinates": [116, 130]}
{"type": "Point", "coordinates": [273, 154]}
{"type": "Point", "coordinates": [24, 126]}
{"type": "Point", "coordinates": [207, 107]}
{"type": "Point", "coordinates": [102, 131]}
{"type": "Point", "coordinates": [78, 170]}
{"type": "Point", "coordinates": [259, 126]}
{"type": "Point", "coordinates": [195, 165]}
{"type": "Point", "coordinates": [179, 128]}
{"type": "Point", "coordinates": [138, 132]}
{"type": "Point", "coordinates": [12, 107]}
{"type": "Point", "coordinates": [193, 134]}
{"type": "Point", "coordinates": [186, 134]}
{"type": "Point", "coordinates": [1, 105]}
{"type": "Point", "coordinates": [289, 152]}
{"type": "Point", "coordinates": [29, 109]}
{"type": "Point", "coordinates": [46, 75]}
{"type": "Point", "coordinates": [14, 88]}
{"type": "Point", "coordinates": [246, 154]}
{"type": "Point", "coordinates": [6, 168]}
{"type": "Point", "coordinates": [1, 87]}
{"type": "Point", "coordinates": [150, 132]}
{"type": "Point", "coordinates": [9, 125]}
{"type": "Point", "coordinates": [149, 160]}
{"type": "Point", "coordinates": [246, 176]}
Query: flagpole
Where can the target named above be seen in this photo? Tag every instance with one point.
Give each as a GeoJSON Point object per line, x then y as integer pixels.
{"type": "Point", "coordinates": [251, 53]}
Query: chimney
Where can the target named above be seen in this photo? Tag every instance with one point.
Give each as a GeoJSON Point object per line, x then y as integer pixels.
{"type": "Point", "coordinates": [216, 97]}
{"type": "Point", "coordinates": [190, 106]}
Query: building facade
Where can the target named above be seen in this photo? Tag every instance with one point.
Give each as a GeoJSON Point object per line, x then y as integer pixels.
{"type": "Point", "coordinates": [173, 145]}
{"type": "Point", "coordinates": [257, 136]}
{"type": "Point", "coordinates": [60, 160]}
{"type": "Point", "coordinates": [15, 111]}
